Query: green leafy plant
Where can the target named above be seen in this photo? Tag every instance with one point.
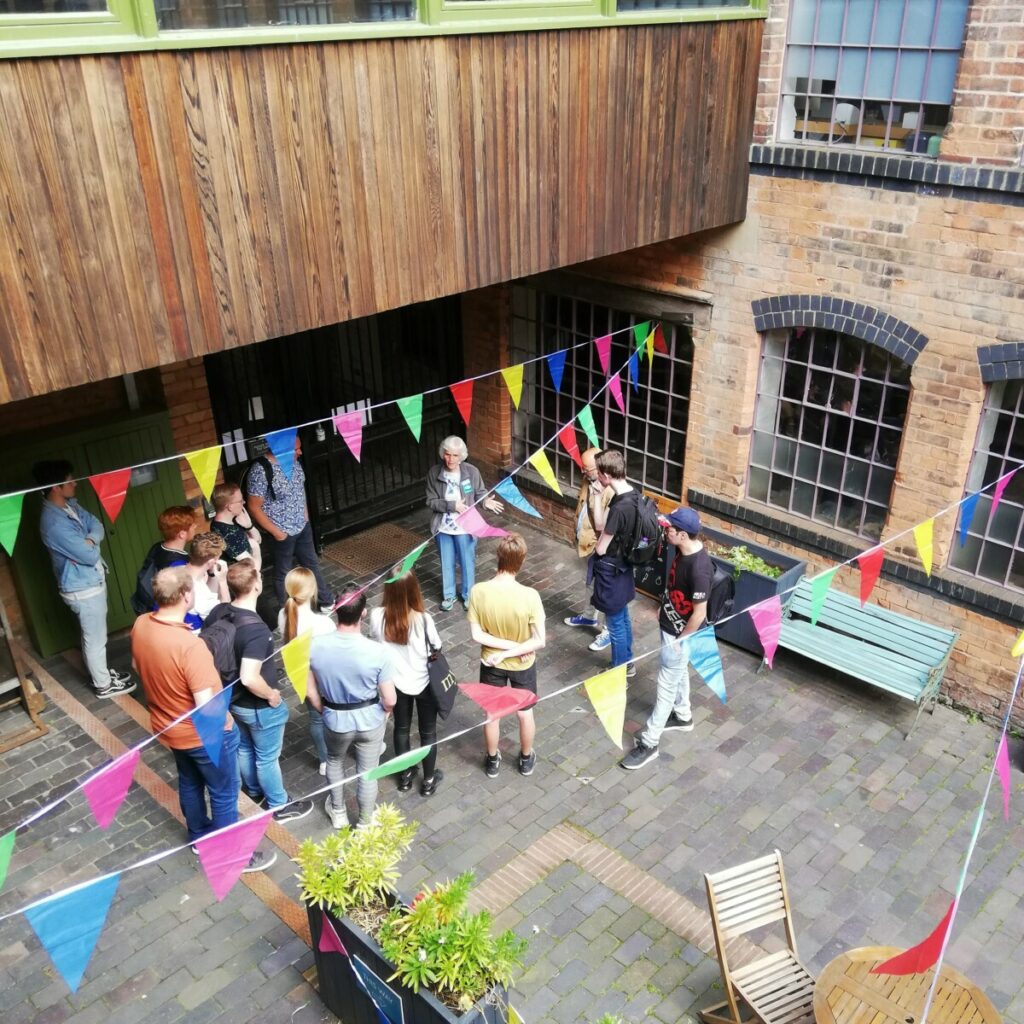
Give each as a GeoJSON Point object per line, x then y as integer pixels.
{"type": "Point", "coordinates": [439, 944]}
{"type": "Point", "coordinates": [611, 1018]}
{"type": "Point", "coordinates": [744, 559]}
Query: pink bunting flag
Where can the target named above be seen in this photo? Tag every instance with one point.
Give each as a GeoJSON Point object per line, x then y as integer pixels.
{"type": "Point", "coordinates": [567, 435]}
{"type": "Point", "coordinates": [350, 426]}
{"type": "Point", "coordinates": [111, 488]}
{"type": "Point", "coordinates": [615, 387]}
{"type": "Point", "coordinates": [919, 958]}
{"type": "Point", "coordinates": [107, 789]}
{"type": "Point", "coordinates": [604, 352]}
{"type": "Point", "coordinates": [767, 617]}
{"type": "Point", "coordinates": [497, 702]}
{"type": "Point", "coordinates": [474, 523]}
{"type": "Point", "coordinates": [1003, 771]}
{"type": "Point", "coordinates": [225, 853]}
{"type": "Point", "coordinates": [329, 941]}
{"type": "Point", "coordinates": [997, 492]}
{"type": "Point", "coordinates": [870, 565]}
{"type": "Point", "coordinates": [463, 395]}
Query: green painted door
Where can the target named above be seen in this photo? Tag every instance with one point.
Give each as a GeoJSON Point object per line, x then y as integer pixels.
{"type": "Point", "coordinates": [92, 450]}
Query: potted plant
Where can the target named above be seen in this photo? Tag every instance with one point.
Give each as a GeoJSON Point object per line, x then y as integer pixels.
{"type": "Point", "coordinates": [430, 961]}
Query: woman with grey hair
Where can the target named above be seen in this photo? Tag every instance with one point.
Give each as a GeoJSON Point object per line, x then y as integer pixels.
{"type": "Point", "coordinates": [453, 486]}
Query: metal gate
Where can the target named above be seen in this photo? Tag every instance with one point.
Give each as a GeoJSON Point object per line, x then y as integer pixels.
{"type": "Point", "coordinates": [351, 366]}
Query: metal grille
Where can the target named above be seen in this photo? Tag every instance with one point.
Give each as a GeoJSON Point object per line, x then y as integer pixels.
{"type": "Point", "coordinates": [994, 546]}
{"type": "Point", "coordinates": [827, 428]}
{"type": "Point", "coordinates": [372, 550]}
{"type": "Point", "coordinates": [652, 434]}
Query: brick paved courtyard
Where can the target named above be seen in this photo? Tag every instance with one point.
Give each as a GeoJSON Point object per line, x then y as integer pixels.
{"type": "Point", "coordinates": [600, 869]}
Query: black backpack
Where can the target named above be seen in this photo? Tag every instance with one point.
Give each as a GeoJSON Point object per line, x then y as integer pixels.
{"type": "Point", "coordinates": [260, 460]}
{"type": "Point", "coordinates": [648, 538]}
{"type": "Point", "coordinates": [142, 600]}
{"type": "Point", "coordinates": [219, 638]}
{"type": "Point", "coordinates": [721, 595]}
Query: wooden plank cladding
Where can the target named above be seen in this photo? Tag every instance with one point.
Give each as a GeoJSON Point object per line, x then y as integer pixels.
{"type": "Point", "coordinates": [166, 205]}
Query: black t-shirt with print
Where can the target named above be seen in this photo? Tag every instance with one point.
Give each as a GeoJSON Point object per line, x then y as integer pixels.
{"type": "Point", "coordinates": [688, 583]}
{"type": "Point", "coordinates": [621, 523]}
{"type": "Point", "coordinates": [253, 639]}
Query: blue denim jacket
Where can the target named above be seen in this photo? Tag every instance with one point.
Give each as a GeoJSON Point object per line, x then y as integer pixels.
{"type": "Point", "coordinates": [76, 564]}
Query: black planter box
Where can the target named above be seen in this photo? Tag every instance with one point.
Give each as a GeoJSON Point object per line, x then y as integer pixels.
{"type": "Point", "coordinates": [345, 998]}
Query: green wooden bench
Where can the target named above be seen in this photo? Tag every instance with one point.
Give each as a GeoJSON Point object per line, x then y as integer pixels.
{"type": "Point", "coordinates": [880, 647]}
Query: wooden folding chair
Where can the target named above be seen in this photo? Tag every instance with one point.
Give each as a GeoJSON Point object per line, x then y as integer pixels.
{"type": "Point", "coordinates": [776, 988]}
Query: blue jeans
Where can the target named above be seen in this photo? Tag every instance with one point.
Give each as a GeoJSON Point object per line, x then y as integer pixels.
{"type": "Point", "coordinates": [299, 550]}
{"type": "Point", "coordinates": [262, 736]}
{"type": "Point", "coordinates": [463, 547]}
{"type": "Point", "coordinates": [620, 631]}
{"type": "Point", "coordinates": [199, 776]}
{"type": "Point", "coordinates": [316, 733]}
{"type": "Point", "coordinates": [92, 618]}
{"type": "Point", "coordinates": [673, 688]}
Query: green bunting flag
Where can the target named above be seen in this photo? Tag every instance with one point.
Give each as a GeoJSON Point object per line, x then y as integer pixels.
{"type": "Point", "coordinates": [10, 519]}
{"type": "Point", "coordinates": [6, 849]}
{"type": "Point", "coordinates": [398, 764]}
{"type": "Point", "coordinates": [819, 589]}
{"type": "Point", "coordinates": [412, 410]}
{"type": "Point", "coordinates": [640, 332]}
{"type": "Point", "coordinates": [407, 563]}
{"type": "Point", "coordinates": [586, 422]}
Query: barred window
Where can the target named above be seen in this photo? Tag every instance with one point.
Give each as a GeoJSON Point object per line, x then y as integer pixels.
{"type": "Point", "coordinates": [827, 428]}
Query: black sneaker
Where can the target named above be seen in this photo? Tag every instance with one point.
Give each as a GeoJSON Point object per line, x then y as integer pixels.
{"type": "Point", "coordinates": [631, 670]}
{"type": "Point", "coordinates": [527, 762]}
{"type": "Point", "coordinates": [678, 724]}
{"type": "Point", "coordinates": [259, 861]}
{"type": "Point", "coordinates": [405, 780]}
{"type": "Point", "coordinates": [491, 763]}
{"type": "Point", "coordinates": [429, 786]}
{"type": "Point", "coordinates": [120, 683]}
{"type": "Point", "coordinates": [295, 811]}
{"type": "Point", "coordinates": [639, 756]}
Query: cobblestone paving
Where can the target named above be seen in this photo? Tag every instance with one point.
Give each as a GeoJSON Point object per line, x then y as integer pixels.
{"type": "Point", "coordinates": [872, 828]}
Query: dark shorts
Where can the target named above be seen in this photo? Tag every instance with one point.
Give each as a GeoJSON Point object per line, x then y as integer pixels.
{"type": "Point", "coordinates": [520, 679]}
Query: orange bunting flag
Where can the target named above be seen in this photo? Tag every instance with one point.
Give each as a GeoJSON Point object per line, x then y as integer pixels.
{"type": "Point", "coordinates": [923, 533]}
{"type": "Point", "coordinates": [870, 565]}
{"type": "Point", "coordinates": [539, 461]}
{"type": "Point", "coordinates": [607, 692]}
{"type": "Point", "coordinates": [514, 382]}
{"type": "Point", "coordinates": [204, 464]}
{"type": "Point", "coordinates": [111, 488]}
{"type": "Point", "coordinates": [463, 395]}
{"type": "Point", "coordinates": [295, 655]}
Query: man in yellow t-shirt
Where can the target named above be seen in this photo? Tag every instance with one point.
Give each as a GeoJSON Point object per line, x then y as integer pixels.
{"type": "Point", "coordinates": [507, 620]}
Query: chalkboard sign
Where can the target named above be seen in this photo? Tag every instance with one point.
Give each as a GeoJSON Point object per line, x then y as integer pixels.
{"type": "Point", "coordinates": [650, 578]}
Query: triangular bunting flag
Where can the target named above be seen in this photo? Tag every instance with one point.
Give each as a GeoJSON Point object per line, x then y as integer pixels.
{"type": "Point", "coordinates": [1018, 647]}
{"type": "Point", "coordinates": [111, 488]}
{"type": "Point", "coordinates": [69, 924]}
{"type": "Point", "coordinates": [225, 853]}
{"type": "Point", "coordinates": [350, 426]}
{"type": "Point", "coordinates": [508, 490]}
{"type": "Point", "coordinates": [495, 702]}
{"type": "Point", "coordinates": [634, 371]}
{"type": "Point", "coordinates": [412, 410]}
{"type": "Point", "coordinates": [585, 418]}
{"type": "Point", "coordinates": [556, 367]}
{"type": "Point", "coordinates": [870, 564]}
{"type": "Point", "coordinates": [706, 660]}
{"type": "Point", "coordinates": [1003, 771]}
{"type": "Point", "coordinates": [6, 850]}
{"type": "Point", "coordinates": [209, 723]}
{"type": "Point", "coordinates": [923, 533]}
{"type": "Point", "coordinates": [282, 446]}
{"type": "Point", "coordinates": [514, 382]}
{"type": "Point", "coordinates": [967, 507]}
{"type": "Point", "coordinates": [513, 1016]}
{"type": "Point", "coordinates": [329, 941]}
{"type": "Point", "coordinates": [659, 340]}
{"type": "Point", "coordinates": [767, 618]}
{"type": "Point", "coordinates": [107, 789]}
{"type": "Point", "coordinates": [997, 493]}
{"type": "Point", "coordinates": [407, 563]}
{"type": "Point", "coordinates": [295, 656]}
{"type": "Point", "coordinates": [398, 764]}
{"type": "Point", "coordinates": [604, 352]}
{"type": "Point", "coordinates": [819, 591]}
{"type": "Point", "coordinates": [567, 435]}
{"type": "Point", "coordinates": [10, 520]}
{"type": "Point", "coordinates": [463, 395]}
{"type": "Point", "coordinates": [650, 349]}
{"type": "Point", "coordinates": [474, 523]}
{"type": "Point", "coordinates": [615, 387]}
{"type": "Point", "coordinates": [607, 692]}
{"type": "Point", "coordinates": [919, 958]}
{"type": "Point", "coordinates": [204, 463]}
{"type": "Point", "coordinates": [539, 461]}
{"type": "Point", "coordinates": [640, 332]}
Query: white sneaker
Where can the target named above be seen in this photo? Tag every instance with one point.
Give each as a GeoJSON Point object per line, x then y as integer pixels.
{"type": "Point", "coordinates": [339, 819]}
{"type": "Point", "coordinates": [602, 641]}
{"type": "Point", "coordinates": [323, 768]}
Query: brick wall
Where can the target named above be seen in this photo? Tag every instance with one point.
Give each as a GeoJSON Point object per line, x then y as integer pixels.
{"type": "Point", "coordinates": [188, 402]}
{"type": "Point", "coordinates": [486, 323]}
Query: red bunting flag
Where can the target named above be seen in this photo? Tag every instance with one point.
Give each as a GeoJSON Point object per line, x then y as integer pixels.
{"type": "Point", "coordinates": [497, 702]}
{"type": "Point", "coordinates": [919, 958]}
{"type": "Point", "coordinates": [767, 618]}
{"type": "Point", "coordinates": [107, 789]}
{"type": "Point", "coordinates": [567, 435]}
{"type": "Point", "coordinates": [870, 565]}
{"type": "Point", "coordinates": [615, 387]}
{"type": "Point", "coordinates": [225, 853]}
{"type": "Point", "coordinates": [659, 340]}
{"type": "Point", "coordinates": [604, 352]}
{"type": "Point", "coordinates": [111, 489]}
{"type": "Point", "coordinates": [463, 395]}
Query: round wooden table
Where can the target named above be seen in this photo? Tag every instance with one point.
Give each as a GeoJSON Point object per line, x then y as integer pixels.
{"type": "Point", "coordinates": [847, 993]}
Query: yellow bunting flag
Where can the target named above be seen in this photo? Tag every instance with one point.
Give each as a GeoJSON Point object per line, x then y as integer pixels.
{"type": "Point", "coordinates": [513, 1015]}
{"type": "Point", "coordinates": [650, 348]}
{"type": "Point", "coordinates": [607, 692]}
{"type": "Point", "coordinates": [1018, 647]}
{"type": "Point", "coordinates": [923, 538]}
{"type": "Point", "coordinates": [295, 655]}
{"type": "Point", "coordinates": [514, 382]}
{"type": "Point", "coordinates": [539, 461]}
{"type": "Point", "coordinates": [204, 463]}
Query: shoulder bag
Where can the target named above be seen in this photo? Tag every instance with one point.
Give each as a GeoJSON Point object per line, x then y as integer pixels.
{"type": "Point", "coordinates": [442, 681]}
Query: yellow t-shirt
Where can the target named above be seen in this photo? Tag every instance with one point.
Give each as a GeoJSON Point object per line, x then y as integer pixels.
{"type": "Point", "coordinates": [504, 607]}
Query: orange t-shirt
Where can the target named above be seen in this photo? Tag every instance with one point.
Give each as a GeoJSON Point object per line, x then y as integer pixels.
{"type": "Point", "coordinates": [173, 664]}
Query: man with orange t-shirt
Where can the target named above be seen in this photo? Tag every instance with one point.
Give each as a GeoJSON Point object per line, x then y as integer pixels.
{"type": "Point", "coordinates": [178, 674]}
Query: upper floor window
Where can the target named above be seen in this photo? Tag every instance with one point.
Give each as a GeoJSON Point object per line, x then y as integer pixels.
{"type": "Point", "coordinates": [201, 14]}
{"type": "Point", "coordinates": [871, 72]}
{"type": "Point", "coordinates": [994, 547]}
{"type": "Point", "coordinates": [827, 428]}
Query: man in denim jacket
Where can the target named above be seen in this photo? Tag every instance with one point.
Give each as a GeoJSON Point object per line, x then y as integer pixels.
{"type": "Point", "coordinates": [72, 536]}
